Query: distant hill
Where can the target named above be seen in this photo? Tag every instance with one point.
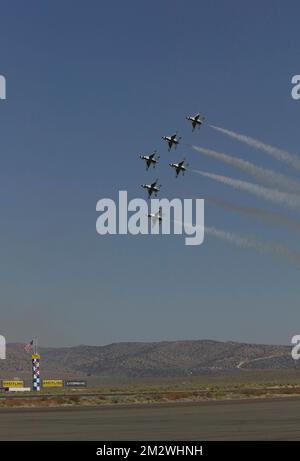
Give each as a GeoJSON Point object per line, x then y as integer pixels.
{"type": "Point", "coordinates": [157, 359]}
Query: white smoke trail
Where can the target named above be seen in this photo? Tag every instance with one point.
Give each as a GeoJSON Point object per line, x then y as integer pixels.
{"type": "Point", "coordinates": [277, 153]}
{"type": "Point", "coordinates": [268, 176]}
{"type": "Point", "coordinates": [264, 215]}
{"type": "Point", "coordinates": [281, 198]}
{"type": "Point", "coordinates": [252, 243]}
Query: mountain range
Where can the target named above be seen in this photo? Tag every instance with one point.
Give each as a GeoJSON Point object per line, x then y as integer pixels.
{"type": "Point", "coordinates": [147, 359]}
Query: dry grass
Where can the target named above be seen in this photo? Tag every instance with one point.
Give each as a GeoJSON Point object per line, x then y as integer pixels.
{"type": "Point", "coordinates": [162, 395]}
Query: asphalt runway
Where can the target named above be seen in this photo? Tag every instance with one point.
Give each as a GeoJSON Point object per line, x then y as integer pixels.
{"type": "Point", "coordinates": [260, 419]}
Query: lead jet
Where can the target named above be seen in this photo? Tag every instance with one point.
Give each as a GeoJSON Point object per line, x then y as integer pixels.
{"type": "Point", "coordinates": [172, 140]}
{"type": "Point", "coordinates": [196, 120]}
{"type": "Point", "coordinates": [155, 217]}
{"type": "Point", "coordinates": [153, 188]}
{"type": "Point", "coordinates": [151, 159]}
{"type": "Point", "coordinates": [179, 167]}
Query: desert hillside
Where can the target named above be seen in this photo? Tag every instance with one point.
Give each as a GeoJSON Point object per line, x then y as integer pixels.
{"type": "Point", "coordinates": [157, 359]}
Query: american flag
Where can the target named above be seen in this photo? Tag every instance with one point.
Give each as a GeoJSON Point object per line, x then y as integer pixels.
{"type": "Point", "coordinates": [29, 347]}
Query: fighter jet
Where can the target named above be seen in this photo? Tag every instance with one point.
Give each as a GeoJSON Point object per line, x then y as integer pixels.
{"type": "Point", "coordinates": [155, 217]}
{"type": "Point", "coordinates": [197, 120]}
{"type": "Point", "coordinates": [151, 159]}
{"type": "Point", "coordinates": [179, 167]}
{"type": "Point", "coordinates": [172, 140]}
{"type": "Point", "coordinates": [152, 188]}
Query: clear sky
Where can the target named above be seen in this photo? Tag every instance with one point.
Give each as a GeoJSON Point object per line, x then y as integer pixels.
{"type": "Point", "coordinates": [92, 84]}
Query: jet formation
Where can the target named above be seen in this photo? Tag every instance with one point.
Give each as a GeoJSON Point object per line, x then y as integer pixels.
{"type": "Point", "coordinates": [151, 160]}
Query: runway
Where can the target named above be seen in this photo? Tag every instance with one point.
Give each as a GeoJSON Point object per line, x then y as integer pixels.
{"type": "Point", "coordinates": [255, 419]}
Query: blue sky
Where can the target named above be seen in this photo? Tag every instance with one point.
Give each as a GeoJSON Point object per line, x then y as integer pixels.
{"type": "Point", "coordinates": [92, 84]}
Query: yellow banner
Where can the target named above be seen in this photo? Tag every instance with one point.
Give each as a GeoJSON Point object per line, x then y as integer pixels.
{"type": "Point", "coordinates": [13, 383]}
{"type": "Point", "coordinates": [53, 383]}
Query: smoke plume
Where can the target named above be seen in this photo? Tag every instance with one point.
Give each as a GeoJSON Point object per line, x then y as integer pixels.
{"type": "Point", "coordinates": [253, 243]}
{"type": "Point", "coordinates": [270, 177]}
{"type": "Point", "coordinates": [281, 198]}
{"type": "Point", "coordinates": [279, 154]}
{"type": "Point", "coordinates": [263, 215]}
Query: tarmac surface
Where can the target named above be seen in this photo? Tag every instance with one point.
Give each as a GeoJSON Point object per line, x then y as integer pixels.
{"type": "Point", "coordinates": [251, 419]}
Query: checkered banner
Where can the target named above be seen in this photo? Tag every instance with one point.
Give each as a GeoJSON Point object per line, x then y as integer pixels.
{"type": "Point", "coordinates": [36, 380]}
